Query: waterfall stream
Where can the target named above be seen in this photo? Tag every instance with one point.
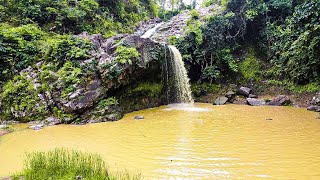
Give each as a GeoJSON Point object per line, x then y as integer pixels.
{"type": "Point", "coordinates": [176, 77]}
{"type": "Point", "coordinates": [178, 87]}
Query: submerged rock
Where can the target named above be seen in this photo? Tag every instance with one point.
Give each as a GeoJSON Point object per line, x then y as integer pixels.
{"type": "Point", "coordinates": [221, 100]}
{"type": "Point", "coordinates": [281, 100]}
{"type": "Point", "coordinates": [245, 91]}
{"type": "Point", "coordinates": [37, 127]}
{"type": "Point", "coordinates": [314, 108]}
{"type": "Point", "coordinates": [256, 102]}
{"type": "Point", "coordinates": [139, 117]}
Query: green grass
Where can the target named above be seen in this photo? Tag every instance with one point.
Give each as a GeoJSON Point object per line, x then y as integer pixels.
{"type": "Point", "coordinates": [67, 164]}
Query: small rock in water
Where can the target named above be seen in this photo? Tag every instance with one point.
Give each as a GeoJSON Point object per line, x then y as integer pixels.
{"type": "Point", "coordinates": [139, 117]}
{"type": "Point", "coordinates": [314, 108]}
{"type": "Point", "coordinates": [37, 127]}
{"type": "Point", "coordinates": [221, 100]}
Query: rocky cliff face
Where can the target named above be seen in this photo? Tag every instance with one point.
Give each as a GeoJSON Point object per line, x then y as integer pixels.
{"type": "Point", "coordinates": [118, 62]}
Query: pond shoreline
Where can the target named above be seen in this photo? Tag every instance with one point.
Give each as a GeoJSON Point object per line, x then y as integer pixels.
{"type": "Point", "coordinates": [301, 101]}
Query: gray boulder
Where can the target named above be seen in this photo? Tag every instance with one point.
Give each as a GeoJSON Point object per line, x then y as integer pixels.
{"type": "Point", "coordinates": [51, 121]}
{"type": "Point", "coordinates": [281, 100]}
{"type": "Point", "coordinates": [245, 91]}
{"type": "Point", "coordinates": [231, 96]}
{"type": "Point", "coordinates": [221, 100]}
{"type": "Point", "coordinates": [314, 108]}
{"type": "Point", "coordinates": [256, 102]}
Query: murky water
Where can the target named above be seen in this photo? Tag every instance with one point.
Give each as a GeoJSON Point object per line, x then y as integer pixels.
{"type": "Point", "coordinates": [204, 142]}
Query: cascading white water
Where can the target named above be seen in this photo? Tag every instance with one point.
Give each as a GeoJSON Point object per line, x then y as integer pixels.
{"type": "Point", "coordinates": [176, 78]}
{"type": "Point", "coordinates": [179, 90]}
{"type": "Point", "coordinates": [150, 32]}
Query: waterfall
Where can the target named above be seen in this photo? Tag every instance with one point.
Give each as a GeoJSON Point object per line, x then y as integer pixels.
{"type": "Point", "coordinates": [175, 74]}
{"type": "Point", "coordinates": [150, 32]}
{"type": "Point", "coordinates": [178, 87]}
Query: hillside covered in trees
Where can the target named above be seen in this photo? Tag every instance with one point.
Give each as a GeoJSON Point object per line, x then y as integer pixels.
{"type": "Point", "coordinates": [259, 43]}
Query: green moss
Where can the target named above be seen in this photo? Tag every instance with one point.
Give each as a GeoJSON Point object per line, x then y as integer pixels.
{"type": "Point", "coordinates": [250, 67]}
{"type": "Point", "coordinates": [172, 40]}
{"type": "Point", "coordinates": [147, 89]}
{"type": "Point", "coordinates": [194, 14]}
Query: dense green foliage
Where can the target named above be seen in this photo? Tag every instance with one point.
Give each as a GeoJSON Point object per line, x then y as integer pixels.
{"type": "Point", "coordinates": [66, 164]}
{"type": "Point", "coordinates": [275, 40]}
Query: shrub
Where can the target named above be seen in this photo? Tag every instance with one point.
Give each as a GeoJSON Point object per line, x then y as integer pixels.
{"type": "Point", "coordinates": [21, 95]}
{"type": "Point", "coordinates": [108, 102]}
{"type": "Point", "coordinates": [126, 55]}
{"type": "Point", "coordinates": [194, 14]}
{"type": "Point", "coordinates": [69, 75]}
{"type": "Point", "coordinates": [250, 67]}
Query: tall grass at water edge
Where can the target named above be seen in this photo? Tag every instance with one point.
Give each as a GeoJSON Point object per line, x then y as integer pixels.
{"type": "Point", "coordinates": [63, 164]}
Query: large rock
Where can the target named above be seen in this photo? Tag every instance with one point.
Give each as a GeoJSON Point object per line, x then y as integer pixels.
{"type": "Point", "coordinates": [256, 102]}
{"type": "Point", "coordinates": [314, 108]}
{"type": "Point", "coordinates": [230, 95]}
{"type": "Point", "coordinates": [221, 100]}
{"type": "Point", "coordinates": [281, 100]}
{"type": "Point", "coordinates": [245, 91]}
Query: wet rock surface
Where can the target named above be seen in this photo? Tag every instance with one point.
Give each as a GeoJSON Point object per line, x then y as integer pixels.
{"type": "Point", "coordinates": [280, 100]}
{"type": "Point", "coordinates": [221, 100]}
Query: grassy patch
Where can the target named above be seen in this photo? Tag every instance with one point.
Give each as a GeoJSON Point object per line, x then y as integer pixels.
{"type": "Point", "coordinates": [66, 164]}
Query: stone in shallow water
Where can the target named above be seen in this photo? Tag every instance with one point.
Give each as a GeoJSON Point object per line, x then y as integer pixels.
{"type": "Point", "coordinates": [314, 108]}
{"type": "Point", "coordinates": [37, 127]}
{"type": "Point", "coordinates": [139, 117]}
{"type": "Point", "coordinates": [221, 100]}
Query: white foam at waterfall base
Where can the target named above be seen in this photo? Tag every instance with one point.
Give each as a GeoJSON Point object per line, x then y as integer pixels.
{"type": "Point", "coordinates": [189, 107]}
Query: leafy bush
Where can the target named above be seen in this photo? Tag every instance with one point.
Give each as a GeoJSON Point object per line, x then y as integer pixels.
{"type": "Point", "coordinates": [19, 48]}
{"type": "Point", "coordinates": [21, 95]}
{"type": "Point", "coordinates": [126, 55]}
{"type": "Point", "coordinates": [67, 164]}
{"type": "Point", "coordinates": [69, 75]}
{"type": "Point", "coordinates": [108, 102]}
{"type": "Point", "coordinates": [250, 67]}
{"type": "Point", "coordinates": [62, 48]}
{"type": "Point", "coordinates": [194, 14]}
